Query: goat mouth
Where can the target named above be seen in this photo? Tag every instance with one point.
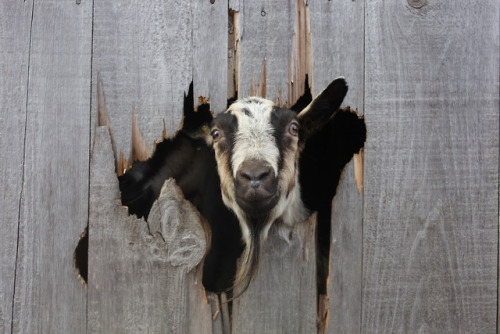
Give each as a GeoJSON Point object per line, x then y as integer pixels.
{"type": "Point", "coordinates": [255, 204]}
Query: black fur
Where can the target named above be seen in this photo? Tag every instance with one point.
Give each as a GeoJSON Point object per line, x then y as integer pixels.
{"type": "Point", "coordinates": [280, 118]}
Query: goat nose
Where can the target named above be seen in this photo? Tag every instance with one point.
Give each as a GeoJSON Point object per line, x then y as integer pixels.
{"type": "Point", "coordinates": [254, 174]}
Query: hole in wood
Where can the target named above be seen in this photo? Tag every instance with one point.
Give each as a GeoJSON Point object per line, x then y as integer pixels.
{"type": "Point", "coordinates": [81, 256]}
{"type": "Point", "coordinates": [241, 170]}
{"type": "Point", "coordinates": [323, 159]}
{"type": "Point", "coordinates": [190, 161]}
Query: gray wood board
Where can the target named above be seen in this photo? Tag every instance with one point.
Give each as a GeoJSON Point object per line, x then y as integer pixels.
{"type": "Point", "coordinates": [54, 204]}
{"type": "Point", "coordinates": [145, 52]}
{"type": "Point", "coordinates": [266, 32]}
{"type": "Point", "coordinates": [210, 52]}
{"type": "Point", "coordinates": [282, 296]}
{"type": "Point", "coordinates": [14, 57]}
{"type": "Point", "coordinates": [142, 50]}
{"type": "Point", "coordinates": [346, 256]}
{"type": "Point", "coordinates": [431, 167]}
{"type": "Point", "coordinates": [337, 29]}
{"type": "Point", "coordinates": [143, 277]}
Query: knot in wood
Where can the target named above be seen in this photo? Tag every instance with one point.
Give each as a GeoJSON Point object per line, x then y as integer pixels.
{"type": "Point", "coordinates": [180, 227]}
{"type": "Point", "coordinates": [417, 3]}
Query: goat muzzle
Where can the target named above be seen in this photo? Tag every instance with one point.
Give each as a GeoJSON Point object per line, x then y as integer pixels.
{"type": "Point", "coordinates": [256, 187]}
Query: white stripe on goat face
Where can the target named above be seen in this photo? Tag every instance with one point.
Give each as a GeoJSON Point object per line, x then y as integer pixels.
{"type": "Point", "coordinates": [254, 138]}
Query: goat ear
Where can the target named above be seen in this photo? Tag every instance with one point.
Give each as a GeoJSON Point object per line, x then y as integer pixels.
{"type": "Point", "coordinates": [319, 111]}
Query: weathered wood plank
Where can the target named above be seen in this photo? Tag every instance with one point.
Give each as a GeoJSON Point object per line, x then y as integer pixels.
{"type": "Point", "coordinates": [431, 167]}
{"type": "Point", "coordinates": [346, 256]}
{"type": "Point", "coordinates": [266, 32]}
{"type": "Point", "coordinates": [143, 277]}
{"type": "Point", "coordinates": [143, 51]}
{"type": "Point", "coordinates": [15, 27]}
{"type": "Point", "coordinates": [216, 310]}
{"type": "Point", "coordinates": [49, 298]}
{"type": "Point", "coordinates": [282, 296]}
{"type": "Point", "coordinates": [210, 52]}
{"type": "Point", "coordinates": [337, 29]}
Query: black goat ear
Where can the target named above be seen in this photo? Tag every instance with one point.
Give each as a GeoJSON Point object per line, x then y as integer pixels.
{"type": "Point", "coordinates": [320, 110]}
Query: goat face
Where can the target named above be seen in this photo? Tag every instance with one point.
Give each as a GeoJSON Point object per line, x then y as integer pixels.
{"type": "Point", "coordinates": [256, 146]}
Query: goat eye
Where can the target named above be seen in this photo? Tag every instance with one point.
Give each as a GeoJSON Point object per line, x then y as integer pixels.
{"type": "Point", "coordinates": [294, 129]}
{"type": "Point", "coordinates": [215, 135]}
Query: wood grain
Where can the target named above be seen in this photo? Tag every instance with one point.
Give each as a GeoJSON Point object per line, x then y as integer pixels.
{"type": "Point", "coordinates": [143, 277]}
{"type": "Point", "coordinates": [266, 30]}
{"type": "Point", "coordinates": [337, 29]}
{"type": "Point", "coordinates": [346, 256]}
{"type": "Point", "coordinates": [282, 296]}
{"type": "Point", "coordinates": [15, 28]}
{"type": "Point", "coordinates": [210, 52]}
{"type": "Point", "coordinates": [143, 51]}
{"type": "Point", "coordinates": [54, 205]}
{"type": "Point", "coordinates": [431, 168]}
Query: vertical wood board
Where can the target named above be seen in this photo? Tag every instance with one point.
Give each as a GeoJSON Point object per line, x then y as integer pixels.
{"type": "Point", "coordinates": [49, 297]}
{"type": "Point", "coordinates": [210, 52]}
{"type": "Point", "coordinates": [266, 33]}
{"type": "Point", "coordinates": [282, 296]}
{"type": "Point", "coordinates": [431, 169]}
{"type": "Point", "coordinates": [337, 29]}
{"type": "Point", "coordinates": [346, 257]}
{"type": "Point", "coordinates": [143, 51]}
{"type": "Point", "coordinates": [15, 29]}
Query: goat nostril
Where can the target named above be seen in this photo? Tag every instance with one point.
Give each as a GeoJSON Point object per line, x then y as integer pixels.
{"type": "Point", "coordinates": [246, 176]}
{"type": "Point", "coordinates": [263, 175]}
{"type": "Point", "coordinates": [255, 178]}
{"type": "Point", "coordinates": [254, 173]}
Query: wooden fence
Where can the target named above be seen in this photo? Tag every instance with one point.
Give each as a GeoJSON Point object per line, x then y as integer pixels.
{"type": "Point", "coordinates": [416, 251]}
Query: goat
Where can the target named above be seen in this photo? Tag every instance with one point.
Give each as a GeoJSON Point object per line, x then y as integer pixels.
{"type": "Point", "coordinates": [246, 173]}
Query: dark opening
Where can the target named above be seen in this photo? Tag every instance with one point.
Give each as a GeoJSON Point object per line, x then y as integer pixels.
{"type": "Point", "coordinates": [324, 157]}
{"type": "Point", "coordinates": [81, 255]}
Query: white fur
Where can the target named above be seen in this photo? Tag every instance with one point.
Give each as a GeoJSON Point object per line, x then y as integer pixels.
{"type": "Point", "coordinates": [254, 138]}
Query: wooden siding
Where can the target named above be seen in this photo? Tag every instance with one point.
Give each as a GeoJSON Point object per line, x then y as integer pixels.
{"type": "Point", "coordinates": [416, 251]}
{"type": "Point", "coordinates": [431, 167]}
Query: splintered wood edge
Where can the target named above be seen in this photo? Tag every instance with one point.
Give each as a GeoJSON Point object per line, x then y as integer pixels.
{"type": "Point", "coordinates": [190, 223]}
{"type": "Point", "coordinates": [189, 216]}
{"type": "Point", "coordinates": [300, 64]}
{"type": "Point", "coordinates": [323, 313]}
{"type": "Point", "coordinates": [306, 231]}
{"type": "Point", "coordinates": [102, 113]}
{"type": "Point", "coordinates": [136, 231]}
{"type": "Point", "coordinates": [359, 170]}
{"type": "Point", "coordinates": [139, 150]}
{"type": "Point", "coordinates": [103, 121]}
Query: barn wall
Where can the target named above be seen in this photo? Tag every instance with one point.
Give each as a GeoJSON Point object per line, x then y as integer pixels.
{"type": "Point", "coordinates": [416, 250]}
